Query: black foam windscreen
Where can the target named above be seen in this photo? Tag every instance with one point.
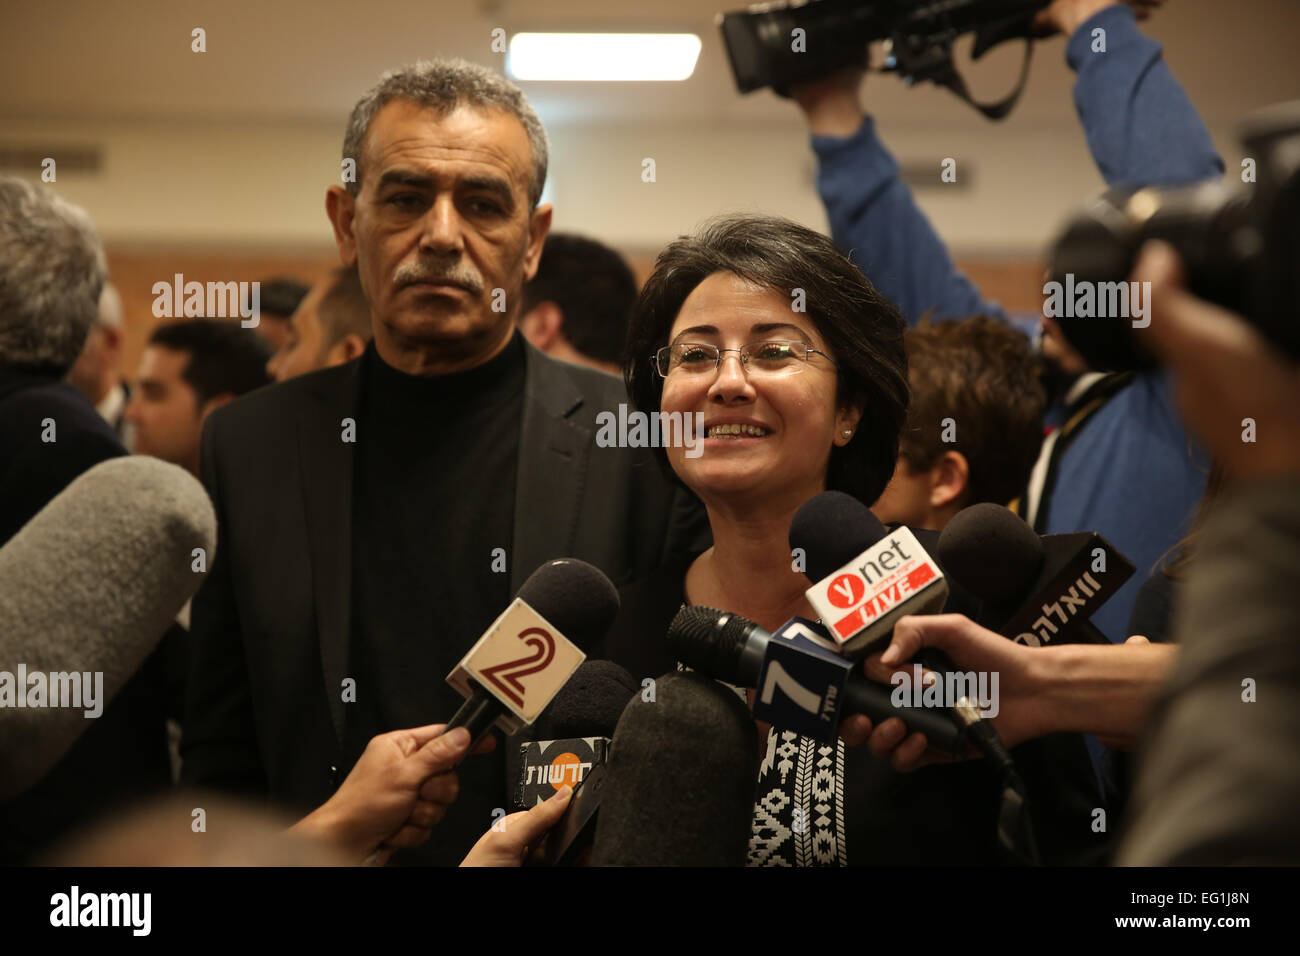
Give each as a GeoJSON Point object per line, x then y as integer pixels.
{"type": "Point", "coordinates": [833, 528]}
{"type": "Point", "coordinates": [575, 597]}
{"type": "Point", "coordinates": [588, 705]}
{"type": "Point", "coordinates": [709, 641]}
{"type": "Point", "coordinates": [681, 776]}
{"type": "Point", "coordinates": [990, 552]}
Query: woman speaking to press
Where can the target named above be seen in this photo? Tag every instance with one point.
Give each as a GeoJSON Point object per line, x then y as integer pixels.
{"type": "Point", "coordinates": [797, 365]}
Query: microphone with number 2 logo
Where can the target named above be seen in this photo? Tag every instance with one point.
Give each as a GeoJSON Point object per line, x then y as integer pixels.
{"type": "Point", "coordinates": [522, 660]}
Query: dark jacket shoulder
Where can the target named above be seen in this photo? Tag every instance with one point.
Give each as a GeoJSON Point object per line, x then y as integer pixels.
{"type": "Point", "coordinates": [33, 469]}
{"type": "Point", "coordinates": [273, 405]}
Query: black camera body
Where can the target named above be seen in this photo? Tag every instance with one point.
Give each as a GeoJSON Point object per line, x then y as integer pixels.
{"type": "Point", "coordinates": [780, 44]}
{"type": "Point", "coordinates": [1240, 244]}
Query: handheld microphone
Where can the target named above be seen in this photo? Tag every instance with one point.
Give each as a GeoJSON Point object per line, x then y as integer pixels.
{"type": "Point", "coordinates": [682, 771]}
{"type": "Point", "coordinates": [571, 743]}
{"type": "Point", "coordinates": [1034, 590]}
{"type": "Point", "coordinates": [562, 596]}
{"type": "Point", "coordinates": [866, 577]}
{"type": "Point", "coordinates": [804, 687]}
{"type": "Point", "coordinates": [89, 586]}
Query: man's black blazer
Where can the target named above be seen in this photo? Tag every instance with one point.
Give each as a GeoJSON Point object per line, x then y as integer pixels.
{"type": "Point", "coordinates": [270, 624]}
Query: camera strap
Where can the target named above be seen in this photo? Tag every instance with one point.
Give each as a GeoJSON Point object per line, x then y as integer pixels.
{"type": "Point", "coordinates": [995, 110]}
{"type": "Point", "coordinates": [916, 58]}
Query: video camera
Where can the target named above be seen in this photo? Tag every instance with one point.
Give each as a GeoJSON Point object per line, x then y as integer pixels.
{"type": "Point", "coordinates": [779, 44]}
{"type": "Point", "coordinates": [1240, 244]}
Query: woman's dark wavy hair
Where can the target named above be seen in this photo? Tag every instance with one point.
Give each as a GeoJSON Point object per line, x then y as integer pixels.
{"type": "Point", "coordinates": [863, 330]}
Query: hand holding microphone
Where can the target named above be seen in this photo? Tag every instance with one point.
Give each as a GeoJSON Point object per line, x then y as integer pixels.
{"type": "Point", "coordinates": [1081, 688]}
{"type": "Point", "coordinates": [513, 837]}
{"type": "Point", "coordinates": [509, 677]}
{"type": "Point", "coordinates": [865, 580]}
{"type": "Point", "coordinates": [397, 791]}
{"type": "Point", "coordinates": [970, 647]}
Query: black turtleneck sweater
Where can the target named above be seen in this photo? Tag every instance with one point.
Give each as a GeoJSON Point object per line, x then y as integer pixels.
{"type": "Point", "coordinates": [433, 497]}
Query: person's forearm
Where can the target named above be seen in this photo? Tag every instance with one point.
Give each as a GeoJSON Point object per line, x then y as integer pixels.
{"type": "Point", "coordinates": [1140, 125]}
{"type": "Point", "coordinates": [318, 825]}
{"type": "Point", "coordinates": [327, 824]}
{"type": "Point", "coordinates": [1107, 691]}
{"type": "Point", "coordinates": [876, 222]}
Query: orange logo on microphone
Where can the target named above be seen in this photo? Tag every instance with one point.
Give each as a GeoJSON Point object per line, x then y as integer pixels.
{"type": "Point", "coordinates": [566, 768]}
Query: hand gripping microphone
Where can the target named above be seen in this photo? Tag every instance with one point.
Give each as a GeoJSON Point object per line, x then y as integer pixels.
{"type": "Point", "coordinates": [521, 661]}
{"type": "Point", "coordinates": [867, 578]}
{"type": "Point", "coordinates": [682, 771]}
{"type": "Point", "coordinates": [801, 686]}
{"type": "Point", "coordinates": [1035, 590]}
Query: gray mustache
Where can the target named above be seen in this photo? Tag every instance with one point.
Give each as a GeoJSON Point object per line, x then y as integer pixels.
{"type": "Point", "coordinates": [409, 274]}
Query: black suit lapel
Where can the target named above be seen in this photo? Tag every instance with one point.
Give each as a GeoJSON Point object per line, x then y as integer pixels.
{"type": "Point", "coordinates": [326, 462]}
{"type": "Point", "coordinates": [553, 452]}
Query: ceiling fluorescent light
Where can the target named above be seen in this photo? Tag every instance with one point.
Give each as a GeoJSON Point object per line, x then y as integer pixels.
{"type": "Point", "coordinates": [602, 56]}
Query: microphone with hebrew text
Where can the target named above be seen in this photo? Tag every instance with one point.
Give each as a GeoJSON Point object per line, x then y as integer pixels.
{"type": "Point", "coordinates": [569, 746]}
{"type": "Point", "coordinates": [1035, 589]}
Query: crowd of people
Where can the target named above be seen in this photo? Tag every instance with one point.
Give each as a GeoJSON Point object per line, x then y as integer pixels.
{"type": "Point", "coordinates": [383, 436]}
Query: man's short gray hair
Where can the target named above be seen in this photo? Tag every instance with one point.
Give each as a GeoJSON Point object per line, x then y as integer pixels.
{"type": "Point", "coordinates": [52, 270]}
{"type": "Point", "coordinates": [442, 85]}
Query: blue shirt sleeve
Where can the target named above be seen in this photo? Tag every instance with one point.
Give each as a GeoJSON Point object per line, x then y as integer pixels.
{"type": "Point", "coordinates": [877, 224]}
{"type": "Point", "coordinates": [1141, 127]}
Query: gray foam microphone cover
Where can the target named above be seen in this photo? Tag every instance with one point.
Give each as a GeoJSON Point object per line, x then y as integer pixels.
{"type": "Point", "coordinates": [90, 584]}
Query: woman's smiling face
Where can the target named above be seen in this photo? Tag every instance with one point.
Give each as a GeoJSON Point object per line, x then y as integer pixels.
{"type": "Point", "coordinates": [768, 434]}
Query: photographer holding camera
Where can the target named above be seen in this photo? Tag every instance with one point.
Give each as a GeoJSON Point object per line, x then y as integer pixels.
{"type": "Point", "coordinates": [1121, 432]}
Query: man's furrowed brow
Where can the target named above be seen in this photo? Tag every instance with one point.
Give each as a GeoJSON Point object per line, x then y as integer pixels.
{"type": "Point", "coordinates": [405, 177]}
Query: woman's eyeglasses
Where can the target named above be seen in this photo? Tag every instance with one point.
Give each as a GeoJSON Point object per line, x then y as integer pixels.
{"type": "Point", "coordinates": [767, 358]}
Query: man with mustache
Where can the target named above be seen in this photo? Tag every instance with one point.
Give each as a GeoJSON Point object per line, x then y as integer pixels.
{"type": "Point", "coordinates": [376, 517]}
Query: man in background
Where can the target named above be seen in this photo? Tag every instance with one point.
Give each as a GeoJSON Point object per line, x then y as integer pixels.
{"type": "Point", "coordinates": [576, 308]}
{"type": "Point", "coordinates": [188, 370]}
{"type": "Point", "coordinates": [98, 369]}
{"type": "Point", "coordinates": [280, 298]}
{"type": "Point", "coordinates": [974, 424]}
{"type": "Point", "coordinates": [330, 327]}
{"type": "Point", "coordinates": [52, 272]}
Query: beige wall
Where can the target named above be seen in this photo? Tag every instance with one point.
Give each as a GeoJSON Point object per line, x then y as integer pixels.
{"type": "Point", "coordinates": [234, 183]}
{"type": "Point", "coordinates": [242, 201]}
